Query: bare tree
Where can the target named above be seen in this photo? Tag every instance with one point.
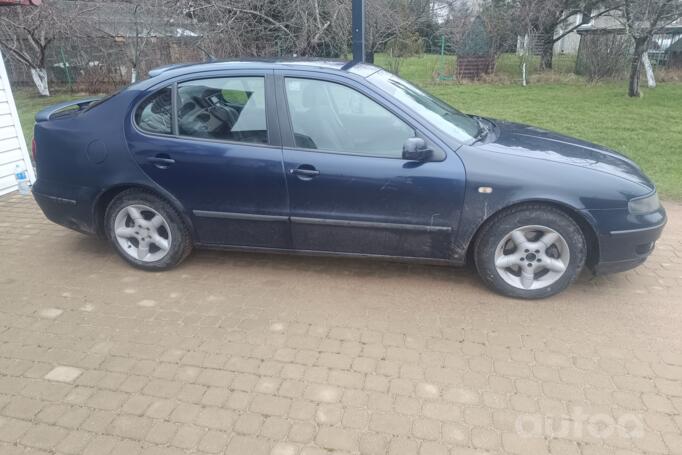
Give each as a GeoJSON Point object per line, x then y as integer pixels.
{"type": "Point", "coordinates": [26, 34]}
{"type": "Point", "coordinates": [642, 19]}
{"type": "Point", "coordinates": [501, 19]}
{"type": "Point", "coordinates": [123, 35]}
{"type": "Point", "coordinates": [256, 27]}
{"type": "Point", "coordinates": [394, 23]}
{"type": "Point", "coordinates": [136, 23]}
{"type": "Point", "coordinates": [527, 15]}
{"type": "Point", "coordinates": [559, 18]}
{"type": "Point", "coordinates": [514, 21]}
{"type": "Point", "coordinates": [302, 27]}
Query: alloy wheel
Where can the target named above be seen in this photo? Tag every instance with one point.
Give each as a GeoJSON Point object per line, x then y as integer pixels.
{"type": "Point", "coordinates": [532, 257]}
{"type": "Point", "coordinates": [142, 233]}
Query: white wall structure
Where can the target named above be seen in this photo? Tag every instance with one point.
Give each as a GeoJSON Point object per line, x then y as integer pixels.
{"type": "Point", "coordinates": [570, 43]}
{"type": "Point", "coordinates": [12, 143]}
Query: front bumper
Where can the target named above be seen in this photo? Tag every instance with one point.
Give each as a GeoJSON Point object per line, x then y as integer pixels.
{"type": "Point", "coordinates": [623, 250]}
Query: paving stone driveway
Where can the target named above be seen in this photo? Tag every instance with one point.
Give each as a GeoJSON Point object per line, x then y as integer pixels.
{"type": "Point", "coordinates": [256, 354]}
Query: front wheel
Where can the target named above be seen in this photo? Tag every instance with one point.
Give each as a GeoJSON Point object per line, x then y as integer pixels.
{"type": "Point", "coordinates": [530, 252]}
{"type": "Point", "coordinates": [147, 231]}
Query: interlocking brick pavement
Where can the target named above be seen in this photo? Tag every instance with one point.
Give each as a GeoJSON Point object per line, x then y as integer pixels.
{"type": "Point", "coordinates": [252, 354]}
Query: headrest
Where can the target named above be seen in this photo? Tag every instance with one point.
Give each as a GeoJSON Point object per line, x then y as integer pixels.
{"type": "Point", "coordinates": [312, 95]}
{"type": "Point", "coordinates": [162, 103]}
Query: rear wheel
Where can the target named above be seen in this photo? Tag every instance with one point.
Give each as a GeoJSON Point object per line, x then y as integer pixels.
{"type": "Point", "coordinates": [530, 252]}
{"type": "Point", "coordinates": [147, 231]}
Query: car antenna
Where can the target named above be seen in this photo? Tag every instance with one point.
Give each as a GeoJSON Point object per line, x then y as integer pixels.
{"type": "Point", "coordinates": [349, 65]}
{"type": "Point", "coordinates": [210, 56]}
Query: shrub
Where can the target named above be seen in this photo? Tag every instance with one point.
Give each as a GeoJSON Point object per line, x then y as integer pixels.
{"type": "Point", "coordinates": [97, 79]}
{"type": "Point", "coordinates": [603, 56]}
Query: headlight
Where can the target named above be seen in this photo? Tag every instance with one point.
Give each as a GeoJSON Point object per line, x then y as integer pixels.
{"type": "Point", "coordinates": [644, 205]}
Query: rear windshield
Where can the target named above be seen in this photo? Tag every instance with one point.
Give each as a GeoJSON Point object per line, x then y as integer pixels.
{"type": "Point", "coordinates": [106, 98]}
{"type": "Point", "coordinates": [102, 100]}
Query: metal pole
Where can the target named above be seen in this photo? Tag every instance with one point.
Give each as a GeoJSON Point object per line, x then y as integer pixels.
{"type": "Point", "coordinates": [441, 64]}
{"type": "Point", "coordinates": [66, 69]}
{"type": "Point", "coordinates": [359, 31]}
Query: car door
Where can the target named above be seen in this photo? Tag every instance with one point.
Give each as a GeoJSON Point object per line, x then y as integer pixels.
{"type": "Point", "coordinates": [350, 190]}
{"type": "Point", "coordinates": [213, 143]}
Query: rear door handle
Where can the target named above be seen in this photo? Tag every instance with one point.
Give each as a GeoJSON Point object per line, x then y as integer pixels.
{"type": "Point", "coordinates": [305, 172]}
{"type": "Point", "coordinates": [161, 161]}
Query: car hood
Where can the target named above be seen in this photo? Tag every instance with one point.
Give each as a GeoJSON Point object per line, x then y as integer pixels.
{"type": "Point", "coordinates": [532, 142]}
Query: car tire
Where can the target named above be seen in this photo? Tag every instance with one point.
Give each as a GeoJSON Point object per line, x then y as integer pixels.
{"type": "Point", "coordinates": [530, 252]}
{"type": "Point", "coordinates": [147, 231]}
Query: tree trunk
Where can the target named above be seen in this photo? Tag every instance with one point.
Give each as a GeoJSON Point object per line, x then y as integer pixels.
{"type": "Point", "coordinates": [40, 79]}
{"type": "Point", "coordinates": [525, 51]}
{"type": "Point", "coordinates": [133, 75]}
{"type": "Point", "coordinates": [641, 45]}
{"type": "Point", "coordinates": [547, 53]}
{"type": "Point", "coordinates": [650, 78]}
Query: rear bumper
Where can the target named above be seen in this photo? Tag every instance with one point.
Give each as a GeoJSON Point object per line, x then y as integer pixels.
{"type": "Point", "coordinates": [627, 249]}
{"type": "Point", "coordinates": [67, 210]}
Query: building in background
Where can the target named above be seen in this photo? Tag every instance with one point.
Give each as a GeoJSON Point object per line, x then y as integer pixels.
{"type": "Point", "coordinates": [608, 28]}
{"type": "Point", "coordinates": [13, 148]}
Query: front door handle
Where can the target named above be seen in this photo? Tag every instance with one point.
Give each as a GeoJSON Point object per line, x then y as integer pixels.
{"type": "Point", "coordinates": [162, 161]}
{"type": "Point", "coordinates": [305, 172]}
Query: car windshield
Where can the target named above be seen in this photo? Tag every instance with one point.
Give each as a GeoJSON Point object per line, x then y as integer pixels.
{"type": "Point", "coordinates": [458, 125]}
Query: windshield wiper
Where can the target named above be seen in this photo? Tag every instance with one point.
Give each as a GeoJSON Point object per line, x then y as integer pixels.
{"type": "Point", "coordinates": [483, 131]}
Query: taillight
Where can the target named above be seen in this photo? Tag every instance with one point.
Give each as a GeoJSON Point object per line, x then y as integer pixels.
{"type": "Point", "coordinates": [33, 150]}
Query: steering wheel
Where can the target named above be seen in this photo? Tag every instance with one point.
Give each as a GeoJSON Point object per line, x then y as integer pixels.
{"type": "Point", "coordinates": [210, 120]}
{"type": "Point", "coordinates": [194, 121]}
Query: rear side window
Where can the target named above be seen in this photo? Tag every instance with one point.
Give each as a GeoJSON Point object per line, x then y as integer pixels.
{"type": "Point", "coordinates": [229, 109]}
{"type": "Point", "coordinates": [154, 115]}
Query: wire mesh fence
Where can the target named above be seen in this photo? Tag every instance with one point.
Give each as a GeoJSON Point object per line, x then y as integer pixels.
{"type": "Point", "coordinates": [97, 65]}
{"type": "Point", "coordinates": [445, 64]}
{"type": "Point", "coordinates": [591, 56]}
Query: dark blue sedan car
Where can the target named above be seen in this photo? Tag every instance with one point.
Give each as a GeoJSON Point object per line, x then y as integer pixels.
{"type": "Point", "coordinates": [332, 158]}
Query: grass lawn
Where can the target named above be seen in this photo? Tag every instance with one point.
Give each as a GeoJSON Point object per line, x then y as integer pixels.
{"type": "Point", "coordinates": [29, 103]}
{"type": "Point", "coordinates": [421, 69]}
{"type": "Point", "coordinates": [649, 129]}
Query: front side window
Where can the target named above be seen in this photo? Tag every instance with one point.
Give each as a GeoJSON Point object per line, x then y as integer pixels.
{"type": "Point", "coordinates": [230, 109]}
{"type": "Point", "coordinates": [154, 115]}
{"type": "Point", "coordinates": [332, 117]}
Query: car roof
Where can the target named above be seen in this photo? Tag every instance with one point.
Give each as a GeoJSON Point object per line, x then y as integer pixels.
{"type": "Point", "coordinates": [360, 69]}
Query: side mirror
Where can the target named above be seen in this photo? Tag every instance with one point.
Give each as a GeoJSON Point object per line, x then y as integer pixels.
{"type": "Point", "coordinates": [415, 149]}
